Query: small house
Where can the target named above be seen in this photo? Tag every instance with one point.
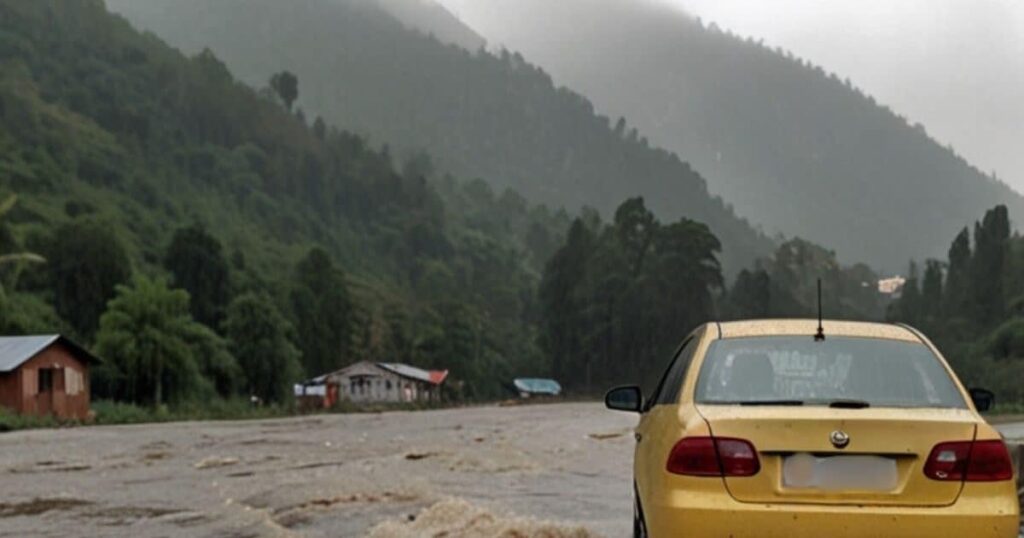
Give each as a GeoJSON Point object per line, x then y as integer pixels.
{"type": "Point", "coordinates": [373, 382]}
{"type": "Point", "coordinates": [45, 375]}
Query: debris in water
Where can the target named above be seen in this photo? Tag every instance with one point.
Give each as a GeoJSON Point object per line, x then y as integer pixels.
{"type": "Point", "coordinates": [210, 463]}
{"type": "Point", "coordinates": [606, 436]}
{"type": "Point", "coordinates": [456, 518]}
{"type": "Point", "coordinates": [37, 507]}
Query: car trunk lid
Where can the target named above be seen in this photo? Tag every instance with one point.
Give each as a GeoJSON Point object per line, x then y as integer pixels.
{"type": "Point", "coordinates": [882, 464]}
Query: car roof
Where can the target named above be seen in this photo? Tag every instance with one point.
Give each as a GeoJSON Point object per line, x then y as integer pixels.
{"type": "Point", "coordinates": [794, 327]}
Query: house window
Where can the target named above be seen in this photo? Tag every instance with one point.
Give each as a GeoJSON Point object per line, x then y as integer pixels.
{"type": "Point", "coordinates": [45, 380]}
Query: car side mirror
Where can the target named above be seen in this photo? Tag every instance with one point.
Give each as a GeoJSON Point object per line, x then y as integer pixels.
{"type": "Point", "coordinates": [983, 399]}
{"type": "Point", "coordinates": [629, 399]}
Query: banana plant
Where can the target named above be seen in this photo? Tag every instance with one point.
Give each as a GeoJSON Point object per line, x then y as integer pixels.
{"type": "Point", "coordinates": [17, 259]}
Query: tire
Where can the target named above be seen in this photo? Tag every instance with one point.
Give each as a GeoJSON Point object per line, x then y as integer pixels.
{"type": "Point", "coordinates": [639, 524]}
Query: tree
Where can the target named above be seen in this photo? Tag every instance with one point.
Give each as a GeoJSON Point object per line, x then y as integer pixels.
{"type": "Point", "coordinates": [931, 290]}
{"type": "Point", "coordinates": [958, 276]}
{"type": "Point", "coordinates": [86, 264]}
{"type": "Point", "coordinates": [24, 313]}
{"type": "Point", "coordinates": [145, 338]}
{"type": "Point", "coordinates": [988, 267]}
{"type": "Point", "coordinates": [319, 128]}
{"type": "Point", "coordinates": [615, 299]}
{"type": "Point", "coordinates": [751, 296]}
{"type": "Point", "coordinates": [17, 260]}
{"type": "Point", "coordinates": [259, 337]}
{"type": "Point", "coordinates": [20, 313]}
{"type": "Point", "coordinates": [561, 303]}
{"type": "Point", "coordinates": [635, 228]}
{"type": "Point", "coordinates": [286, 86]}
{"type": "Point", "coordinates": [908, 308]}
{"type": "Point", "coordinates": [196, 260]}
{"type": "Point", "coordinates": [217, 365]}
{"type": "Point", "coordinates": [323, 313]}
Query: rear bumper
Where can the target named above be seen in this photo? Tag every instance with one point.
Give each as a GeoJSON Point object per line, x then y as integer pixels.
{"type": "Point", "coordinates": [719, 515]}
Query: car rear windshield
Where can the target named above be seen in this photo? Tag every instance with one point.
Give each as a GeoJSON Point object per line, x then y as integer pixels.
{"type": "Point", "coordinates": [840, 371]}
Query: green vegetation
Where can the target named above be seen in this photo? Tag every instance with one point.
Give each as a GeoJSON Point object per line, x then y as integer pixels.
{"type": "Point", "coordinates": [791, 146]}
{"type": "Point", "coordinates": [214, 247]}
{"type": "Point", "coordinates": [785, 285]}
{"type": "Point", "coordinates": [187, 221]}
{"type": "Point", "coordinates": [259, 336]}
{"type": "Point", "coordinates": [618, 297]}
{"type": "Point", "coordinates": [323, 313]}
{"type": "Point", "coordinates": [10, 421]}
{"type": "Point", "coordinates": [972, 306]}
{"type": "Point", "coordinates": [492, 116]}
{"type": "Point", "coordinates": [86, 262]}
{"type": "Point", "coordinates": [151, 346]}
{"type": "Point", "coordinates": [196, 261]}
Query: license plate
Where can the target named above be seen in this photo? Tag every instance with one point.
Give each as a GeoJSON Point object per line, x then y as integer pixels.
{"type": "Point", "coordinates": [863, 473]}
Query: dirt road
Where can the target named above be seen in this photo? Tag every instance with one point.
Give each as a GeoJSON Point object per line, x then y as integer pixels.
{"type": "Point", "coordinates": [335, 475]}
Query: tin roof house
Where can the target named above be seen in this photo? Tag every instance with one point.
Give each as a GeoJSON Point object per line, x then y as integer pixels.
{"type": "Point", "coordinates": [371, 382]}
{"type": "Point", "coordinates": [45, 375]}
{"type": "Point", "coordinates": [385, 382]}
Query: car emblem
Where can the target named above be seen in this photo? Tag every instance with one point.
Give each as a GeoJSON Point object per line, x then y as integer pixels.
{"type": "Point", "coordinates": [839, 439]}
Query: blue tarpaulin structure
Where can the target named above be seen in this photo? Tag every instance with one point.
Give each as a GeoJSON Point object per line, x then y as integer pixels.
{"type": "Point", "coordinates": [540, 387]}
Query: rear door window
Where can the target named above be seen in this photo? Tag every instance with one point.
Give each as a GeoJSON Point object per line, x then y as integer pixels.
{"type": "Point", "coordinates": [796, 370]}
{"type": "Point", "coordinates": [671, 383]}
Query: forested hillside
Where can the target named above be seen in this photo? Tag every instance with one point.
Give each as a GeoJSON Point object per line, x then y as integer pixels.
{"type": "Point", "coordinates": [971, 302]}
{"type": "Point", "coordinates": [432, 18]}
{"type": "Point", "coordinates": [206, 238]}
{"type": "Point", "coordinates": [618, 297]}
{"type": "Point", "coordinates": [486, 115]}
{"type": "Point", "coordinates": [793, 147]}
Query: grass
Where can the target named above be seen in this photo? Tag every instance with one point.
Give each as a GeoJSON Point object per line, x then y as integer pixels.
{"type": "Point", "coordinates": [10, 421]}
{"type": "Point", "coordinates": [105, 412]}
{"type": "Point", "coordinates": [108, 413]}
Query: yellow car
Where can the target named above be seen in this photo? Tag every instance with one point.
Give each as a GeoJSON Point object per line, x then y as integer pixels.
{"type": "Point", "coordinates": [763, 429]}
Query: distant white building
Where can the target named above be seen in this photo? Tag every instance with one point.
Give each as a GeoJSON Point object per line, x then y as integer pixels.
{"type": "Point", "coordinates": [892, 285]}
{"type": "Point", "coordinates": [370, 382]}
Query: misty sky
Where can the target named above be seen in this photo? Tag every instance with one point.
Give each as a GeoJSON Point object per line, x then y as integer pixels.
{"type": "Point", "coordinates": [957, 66]}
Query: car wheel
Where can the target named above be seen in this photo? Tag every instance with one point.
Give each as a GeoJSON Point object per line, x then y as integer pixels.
{"type": "Point", "coordinates": [639, 525]}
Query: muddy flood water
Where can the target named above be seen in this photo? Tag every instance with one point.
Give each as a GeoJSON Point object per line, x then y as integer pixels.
{"type": "Point", "coordinates": [556, 471]}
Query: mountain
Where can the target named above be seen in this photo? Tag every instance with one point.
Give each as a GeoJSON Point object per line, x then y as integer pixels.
{"type": "Point", "coordinates": [493, 116]}
{"type": "Point", "coordinates": [793, 147]}
{"type": "Point", "coordinates": [107, 130]}
{"type": "Point", "coordinates": [432, 18]}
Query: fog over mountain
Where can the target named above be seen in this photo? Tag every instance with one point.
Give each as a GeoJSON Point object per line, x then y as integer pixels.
{"type": "Point", "coordinates": [956, 66]}
{"type": "Point", "coordinates": [473, 114]}
{"type": "Point", "coordinates": [431, 17]}
{"type": "Point", "coordinates": [791, 144]}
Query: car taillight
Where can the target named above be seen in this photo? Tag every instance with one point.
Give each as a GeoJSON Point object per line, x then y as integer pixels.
{"type": "Point", "coordinates": [978, 461]}
{"type": "Point", "coordinates": [711, 456]}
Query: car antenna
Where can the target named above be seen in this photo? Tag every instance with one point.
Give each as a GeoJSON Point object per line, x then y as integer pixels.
{"type": "Point", "coordinates": [820, 336]}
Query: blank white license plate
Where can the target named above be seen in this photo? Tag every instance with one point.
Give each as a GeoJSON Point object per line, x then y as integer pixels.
{"type": "Point", "coordinates": [865, 473]}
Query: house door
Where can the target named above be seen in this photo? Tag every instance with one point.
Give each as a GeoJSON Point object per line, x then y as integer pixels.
{"type": "Point", "coordinates": [45, 392]}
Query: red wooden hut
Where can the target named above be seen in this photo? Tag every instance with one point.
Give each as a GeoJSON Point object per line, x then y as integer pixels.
{"type": "Point", "coordinates": [45, 375]}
